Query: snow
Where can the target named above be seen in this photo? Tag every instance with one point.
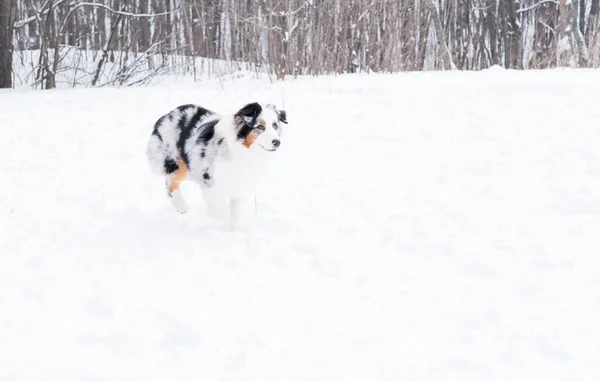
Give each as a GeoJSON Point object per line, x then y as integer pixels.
{"type": "Point", "coordinates": [413, 227]}
{"type": "Point", "coordinates": [77, 68]}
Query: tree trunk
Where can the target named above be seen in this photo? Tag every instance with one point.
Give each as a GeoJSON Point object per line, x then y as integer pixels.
{"type": "Point", "coordinates": [113, 31]}
{"type": "Point", "coordinates": [100, 37]}
{"type": "Point", "coordinates": [582, 16]}
{"type": "Point", "coordinates": [439, 34]}
{"type": "Point", "coordinates": [591, 26]}
{"type": "Point", "coordinates": [580, 51]}
{"type": "Point", "coordinates": [144, 40]}
{"type": "Point", "coordinates": [49, 74]}
{"type": "Point", "coordinates": [565, 14]}
{"type": "Point", "coordinates": [6, 44]}
{"type": "Point", "coordinates": [514, 47]}
{"type": "Point", "coordinates": [592, 32]}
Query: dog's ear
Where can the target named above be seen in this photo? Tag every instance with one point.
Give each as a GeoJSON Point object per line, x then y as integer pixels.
{"type": "Point", "coordinates": [281, 114]}
{"type": "Point", "coordinates": [249, 113]}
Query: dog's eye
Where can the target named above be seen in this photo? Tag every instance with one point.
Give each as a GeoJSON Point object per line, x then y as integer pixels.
{"type": "Point", "coordinates": [275, 126]}
{"type": "Point", "coordinates": [260, 127]}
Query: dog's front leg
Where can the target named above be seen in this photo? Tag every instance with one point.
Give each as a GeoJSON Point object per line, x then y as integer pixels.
{"type": "Point", "coordinates": [216, 204]}
{"type": "Point", "coordinates": [239, 211]}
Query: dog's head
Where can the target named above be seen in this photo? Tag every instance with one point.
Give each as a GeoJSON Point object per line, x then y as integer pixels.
{"type": "Point", "coordinates": [260, 125]}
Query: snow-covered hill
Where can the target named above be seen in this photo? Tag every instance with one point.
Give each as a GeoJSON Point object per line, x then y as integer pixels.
{"type": "Point", "coordinates": [414, 227]}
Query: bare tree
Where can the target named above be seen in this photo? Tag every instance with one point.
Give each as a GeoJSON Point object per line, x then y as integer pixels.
{"type": "Point", "coordinates": [7, 8]}
{"type": "Point", "coordinates": [295, 37]}
{"type": "Point", "coordinates": [439, 34]}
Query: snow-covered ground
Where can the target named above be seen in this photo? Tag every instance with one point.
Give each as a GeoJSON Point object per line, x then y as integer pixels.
{"type": "Point", "coordinates": [414, 227]}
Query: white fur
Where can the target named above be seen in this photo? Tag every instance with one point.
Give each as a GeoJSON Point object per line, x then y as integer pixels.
{"type": "Point", "coordinates": [235, 175]}
{"type": "Point", "coordinates": [178, 202]}
{"type": "Point", "coordinates": [266, 138]}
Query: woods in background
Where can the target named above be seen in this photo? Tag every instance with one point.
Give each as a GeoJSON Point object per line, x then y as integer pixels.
{"type": "Point", "coordinates": [303, 37]}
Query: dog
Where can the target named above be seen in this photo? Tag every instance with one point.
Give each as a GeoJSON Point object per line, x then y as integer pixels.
{"type": "Point", "coordinates": [225, 155]}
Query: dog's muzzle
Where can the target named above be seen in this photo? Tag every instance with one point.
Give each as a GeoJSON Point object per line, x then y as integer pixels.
{"type": "Point", "coordinates": [275, 142]}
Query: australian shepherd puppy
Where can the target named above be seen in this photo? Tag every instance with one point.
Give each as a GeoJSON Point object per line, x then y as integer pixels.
{"type": "Point", "coordinates": [224, 154]}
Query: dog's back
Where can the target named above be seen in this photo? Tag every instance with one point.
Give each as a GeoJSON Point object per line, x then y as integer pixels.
{"type": "Point", "coordinates": [166, 147]}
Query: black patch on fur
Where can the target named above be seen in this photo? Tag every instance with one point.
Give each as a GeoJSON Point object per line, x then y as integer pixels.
{"type": "Point", "coordinates": [243, 132]}
{"type": "Point", "coordinates": [202, 154]}
{"type": "Point", "coordinates": [208, 131]}
{"type": "Point", "coordinates": [184, 134]}
{"type": "Point", "coordinates": [282, 116]}
{"type": "Point", "coordinates": [157, 134]}
{"type": "Point", "coordinates": [161, 120]}
{"type": "Point", "coordinates": [170, 166]}
{"type": "Point", "coordinates": [157, 125]}
{"type": "Point", "coordinates": [183, 108]}
{"type": "Point", "coordinates": [186, 126]}
{"type": "Point", "coordinates": [220, 141]}
{"type": "Point", "coordinates": [206, 179]}
{"type": "Point", "coordinates": [193, 123]}
{"type": "Point", "coordinates": [251, 110]}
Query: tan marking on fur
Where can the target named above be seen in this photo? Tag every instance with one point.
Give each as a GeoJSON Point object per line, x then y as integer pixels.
{"type": "Point", "coordinates": [250, 138]}
{"type": "Point", "coordinates": [180, 175]}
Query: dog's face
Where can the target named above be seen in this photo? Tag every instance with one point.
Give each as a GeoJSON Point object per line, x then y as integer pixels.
{"type": "Point", "coordinates": [260, 126]}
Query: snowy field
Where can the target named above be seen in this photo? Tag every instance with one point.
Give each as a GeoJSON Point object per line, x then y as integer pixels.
{"type": "Point", "coordinates": [413, 227]}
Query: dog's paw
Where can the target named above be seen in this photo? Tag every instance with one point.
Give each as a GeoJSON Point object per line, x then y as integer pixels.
{"type": "Point", "coordinates": [178, 202]}
{"type": "Point", "coordinates": [237, 226]}
{"type": "Point", "coordinates": [218, 212]}
{"type": "Point", "coordinates": [181, 209]}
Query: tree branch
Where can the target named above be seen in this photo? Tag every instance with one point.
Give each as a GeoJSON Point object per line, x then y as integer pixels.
{"type": "Point", "coordinates": [531, 7]}
{"type": "Point", "coordinates": [130, 14]}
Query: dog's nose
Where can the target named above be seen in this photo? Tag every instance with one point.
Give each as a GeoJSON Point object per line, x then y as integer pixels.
{"type": "Point", "coordinates": [276, 142]}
